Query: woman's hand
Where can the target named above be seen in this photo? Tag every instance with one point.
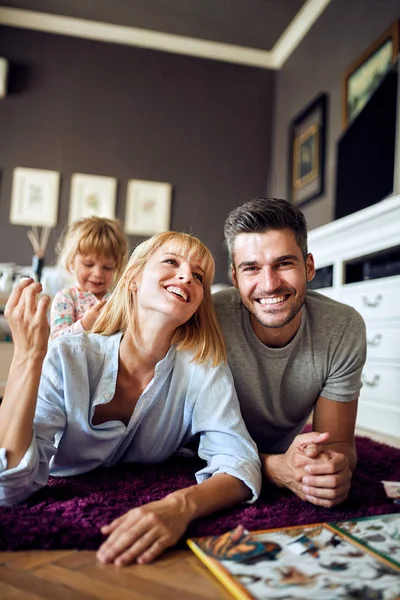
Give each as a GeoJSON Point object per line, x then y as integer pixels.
{"type": "Point", "coordinates": [27, 318]}
{"type": "Point", "coordinates": [30, 330]}
{"type": "Point", "coordinates": [143, 533]}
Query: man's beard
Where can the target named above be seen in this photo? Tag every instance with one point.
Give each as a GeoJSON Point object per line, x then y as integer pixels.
{"type": "Point", "coordinates": [278, 320]}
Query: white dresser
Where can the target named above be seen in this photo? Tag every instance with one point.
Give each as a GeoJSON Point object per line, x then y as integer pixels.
{"type": "Point", "coordinates": [354, 252]}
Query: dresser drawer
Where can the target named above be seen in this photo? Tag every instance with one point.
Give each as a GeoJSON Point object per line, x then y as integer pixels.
{"type": "Point", "coordinates": [382, 382]}
{"type": "Point", "coordinates": [375, 415]}
{"type": "Point", "coordinates": [383, 341]}
{"type": "Point", "coordinates": [374, 299]}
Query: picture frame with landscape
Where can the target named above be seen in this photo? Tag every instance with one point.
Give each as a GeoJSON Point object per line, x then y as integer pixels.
{"type": "Point", "coordinates": [307, 139]}
{"type": "Point", "coordinates": [363, 76]}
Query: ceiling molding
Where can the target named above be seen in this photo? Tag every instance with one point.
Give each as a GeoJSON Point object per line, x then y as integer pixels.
{"type": "Point", "coordinates": [297, 30]}
{"type": "Point", "coordinates": [166, 42]}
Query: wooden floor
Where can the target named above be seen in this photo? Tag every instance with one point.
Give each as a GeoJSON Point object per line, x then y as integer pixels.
{"type": "Point", "coordinates": [73, 575]}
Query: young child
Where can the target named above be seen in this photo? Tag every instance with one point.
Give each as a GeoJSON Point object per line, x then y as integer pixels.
{"type": "Point", "coordinates": [95, 251]}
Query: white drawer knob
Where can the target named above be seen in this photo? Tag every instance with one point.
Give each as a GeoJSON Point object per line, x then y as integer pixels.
{"type": "Point", "coordinates": [372, 303]}
{"type": "Point", "coordinates": [375, 341]}
{"type": "Point", "coordinates": [373, 383]}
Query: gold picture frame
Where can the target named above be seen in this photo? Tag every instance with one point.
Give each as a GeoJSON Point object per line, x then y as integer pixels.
{"type": "Point", "coordinates": [362, 77]}
{"type": "Point", "coordinates": [307, 133]}
{"type": "Point", "coordinates": [306, 152]}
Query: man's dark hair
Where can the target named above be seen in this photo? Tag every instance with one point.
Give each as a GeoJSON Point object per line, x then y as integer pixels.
{"type": "Point", "coordinates": [262, 214]}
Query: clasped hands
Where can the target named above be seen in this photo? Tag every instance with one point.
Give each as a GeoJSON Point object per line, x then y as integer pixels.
{"type": "Point", "coordinates": [314, 472]}
{"type": "Point", "coordinates": [311, 470]}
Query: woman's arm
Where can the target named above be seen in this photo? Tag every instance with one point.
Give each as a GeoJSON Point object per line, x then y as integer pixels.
{"type": "Point", "coordinates": [225, 442]}
{"type": "Point", "coordinates": [143, 533]}
{"type": "Point", "coordinates": [26, 440]}
{"type": "Point", "coordinates": [232, 475]}
{"type": "Point", "coordinates": [28, 323]}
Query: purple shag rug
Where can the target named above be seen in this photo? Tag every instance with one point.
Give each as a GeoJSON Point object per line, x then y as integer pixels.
{"type": "Point", "coordinates": [67, 513]}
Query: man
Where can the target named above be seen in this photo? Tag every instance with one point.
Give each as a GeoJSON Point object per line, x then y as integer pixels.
{"type": "Point", "coordinates": [291, 352]}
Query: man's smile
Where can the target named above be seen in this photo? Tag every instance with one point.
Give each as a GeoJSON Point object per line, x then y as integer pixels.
{"type": "Point", "coordinates": [272, 300]}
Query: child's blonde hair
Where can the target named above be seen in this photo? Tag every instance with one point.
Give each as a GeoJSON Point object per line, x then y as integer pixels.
{"type": "Point", "coordinates": [94, 235]}
{"type": "Point", "coordinates": [201, 334]}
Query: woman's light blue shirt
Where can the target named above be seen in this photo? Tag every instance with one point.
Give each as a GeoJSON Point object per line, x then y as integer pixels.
{"type": "Point", "coordinates": [182, 400]}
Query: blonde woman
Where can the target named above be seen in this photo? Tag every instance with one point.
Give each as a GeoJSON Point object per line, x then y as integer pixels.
{"type": "Point", "coordinates": [151, 376]}
{"type": "Point", "coordinates": [94, 251]}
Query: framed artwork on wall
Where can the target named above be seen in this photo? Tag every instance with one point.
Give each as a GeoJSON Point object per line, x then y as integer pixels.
{"type": "Point", "coordinates": [148, 207]}
{"type": "Point", "coordinates": [307, 140]}
{"type": "Point", "coordinates": [362, 77]}
{"type": "Point", "coordinates": [92, 196]}
{"type": "Point", "coordinates": [34, 197]}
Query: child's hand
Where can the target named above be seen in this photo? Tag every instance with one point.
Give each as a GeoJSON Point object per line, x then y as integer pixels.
{"type": "Point", "coordinates": [90, 316]}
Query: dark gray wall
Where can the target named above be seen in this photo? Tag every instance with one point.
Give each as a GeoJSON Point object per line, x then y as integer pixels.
{"type": "Point", "coordinates": [340, 35]}
{"type": "Point", "coordinates": [81, 106]}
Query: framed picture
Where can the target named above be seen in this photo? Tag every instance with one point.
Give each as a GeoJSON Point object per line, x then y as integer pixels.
{"type": "Point", "coordinates": [92, 196]}
{"type": "Point", "coordinates": [34, 197]}
{"type": "Point", "coordinates": [362, 77]}
{"type": "Point", "coordinates": [307, 133]}
{"type": "Point", "coordinates": [148, 207]}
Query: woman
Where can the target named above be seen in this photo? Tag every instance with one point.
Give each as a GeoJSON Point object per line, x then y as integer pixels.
{"type": "Point", "coordinates": [151, 376]}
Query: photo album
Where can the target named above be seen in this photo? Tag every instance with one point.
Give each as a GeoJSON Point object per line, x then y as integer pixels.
{"type": "Point", "coordinates": [359, 558]}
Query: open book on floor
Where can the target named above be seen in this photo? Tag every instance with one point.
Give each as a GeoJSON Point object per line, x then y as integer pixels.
{"type": "Point", "coordinates": [359, 558]}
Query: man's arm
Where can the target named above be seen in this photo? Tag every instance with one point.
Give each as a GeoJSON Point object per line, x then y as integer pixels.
{"type": "Point", "coordinates": [339, 419]}
{"type": "Point", "coordinates": [318, 466]}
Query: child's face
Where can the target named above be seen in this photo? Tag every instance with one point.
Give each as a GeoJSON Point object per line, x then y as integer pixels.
{"type": "Point", "coordinates": [94, 273]}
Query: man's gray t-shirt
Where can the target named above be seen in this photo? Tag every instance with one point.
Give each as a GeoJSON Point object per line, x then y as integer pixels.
{"type": "Point", "coordinates": [278, 387]}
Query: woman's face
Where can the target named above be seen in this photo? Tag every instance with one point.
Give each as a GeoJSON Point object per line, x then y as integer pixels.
{"type": "Point", "coordinates": [170, 284]}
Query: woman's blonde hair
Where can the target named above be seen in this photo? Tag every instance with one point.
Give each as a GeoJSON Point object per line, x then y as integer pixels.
{"type": "Point", "coordinates": [201, 334]}
{"type": "Point", "coordinates": [94, 235]}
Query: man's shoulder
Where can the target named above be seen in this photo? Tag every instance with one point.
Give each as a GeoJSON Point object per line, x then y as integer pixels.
{"type": "Point", "coordinates": [322, 308]}
{"type": "Point", "coordinates": [226, 300]}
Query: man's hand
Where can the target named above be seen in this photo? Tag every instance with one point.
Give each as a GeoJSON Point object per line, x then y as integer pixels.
{"type": "Point", "coordinates": [311, 470]}
{"type": "Point", "coordinates": [90, 316]}
{"type": "Point", "coordinates": [143, 533]}
{"type": "Point", "coordinates": [328, 478]}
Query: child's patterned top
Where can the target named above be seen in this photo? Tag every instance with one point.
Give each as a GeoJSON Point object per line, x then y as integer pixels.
{"type": "Point", "coordinates": [67, 309]}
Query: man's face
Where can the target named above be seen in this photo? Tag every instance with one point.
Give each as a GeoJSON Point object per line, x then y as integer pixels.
{"type": "Point", "coordinates": [271, 275]}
